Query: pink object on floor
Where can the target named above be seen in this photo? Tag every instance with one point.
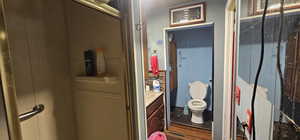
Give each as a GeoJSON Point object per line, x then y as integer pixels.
{"type": "Point", "coordinates": [158, 136]}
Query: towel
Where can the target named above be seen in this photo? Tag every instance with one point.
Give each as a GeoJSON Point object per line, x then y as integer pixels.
{"type": "Point", "coordinates": [154, 65]}
{"type": "Point", "coordinates": [158, 136]}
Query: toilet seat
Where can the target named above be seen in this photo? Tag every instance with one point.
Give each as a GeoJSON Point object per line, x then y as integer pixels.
{"type": "Point", "coordinates": [197, 104]}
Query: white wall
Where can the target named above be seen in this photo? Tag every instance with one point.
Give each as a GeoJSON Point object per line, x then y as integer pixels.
{"type": "Point", "coordinates": [244, 8]}
{"type": "Point", "coordinates": [158, 19]}
{"type": "Point", "coordinates": [263, 110]}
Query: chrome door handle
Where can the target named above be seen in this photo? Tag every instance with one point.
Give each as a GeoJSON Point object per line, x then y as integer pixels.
{"type": "Point", "coordinates": [35, 110]}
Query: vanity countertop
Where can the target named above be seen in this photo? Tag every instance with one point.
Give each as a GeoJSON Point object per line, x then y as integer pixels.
{"type": "Point", "coordinates": [151, 96]}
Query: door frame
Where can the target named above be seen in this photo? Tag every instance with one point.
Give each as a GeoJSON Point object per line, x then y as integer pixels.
{"type": "Point", "coordinates": [131, 26]}
{"type": "Point", "coordinates": [167, 64]}
{"type": "Point", "coordinates": [229, 120]}
{"type": "Point", "coordinates": [7, 81]}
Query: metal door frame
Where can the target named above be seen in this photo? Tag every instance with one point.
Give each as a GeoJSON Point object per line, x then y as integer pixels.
{"type": "Point", "coordinates": [7, 82]}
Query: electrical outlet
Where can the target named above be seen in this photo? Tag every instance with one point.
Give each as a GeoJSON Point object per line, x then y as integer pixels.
{"type": "Point", "coordinates": [238, 95]}
{"type": "Point", "coordinates": [249, 120]}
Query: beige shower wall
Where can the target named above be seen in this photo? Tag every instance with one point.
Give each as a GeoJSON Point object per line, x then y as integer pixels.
{"type": "Point", "coordinates": [39, 47]}
{"type": "Point", "coordinates": [100, 107]}
{"type": "Point", "coordinates": [90, 29]}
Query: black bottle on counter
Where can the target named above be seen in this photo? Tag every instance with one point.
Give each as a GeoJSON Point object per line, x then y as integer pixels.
{"type": "Point", "coordinates": [89, 59]}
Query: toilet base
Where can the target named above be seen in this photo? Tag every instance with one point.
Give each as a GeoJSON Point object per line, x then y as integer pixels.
{"type": "Point", "coordinates": [197, 117]}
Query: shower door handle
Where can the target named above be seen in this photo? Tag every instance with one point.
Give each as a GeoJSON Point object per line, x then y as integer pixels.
{"type": "Point", "coordinates": [35, 110]}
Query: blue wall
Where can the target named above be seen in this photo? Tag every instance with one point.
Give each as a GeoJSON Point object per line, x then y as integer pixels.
{"type": "Point", "coordinates": [248, 63]}
{"type": "Point", "coordinates": [249, 49]}
{"type": "Point", "coordinates": [194, 61]}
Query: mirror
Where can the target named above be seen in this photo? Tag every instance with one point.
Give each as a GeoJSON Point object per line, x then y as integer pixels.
{"type": "Point", "coordinates": [277, 116]}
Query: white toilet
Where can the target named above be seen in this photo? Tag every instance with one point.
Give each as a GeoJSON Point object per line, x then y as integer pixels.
{"type": "Point", "coordinates": [197, 105]}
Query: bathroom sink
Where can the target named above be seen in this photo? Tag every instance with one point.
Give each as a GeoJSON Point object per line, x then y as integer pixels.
{"type": "Point", "coordinates": [151, 96]}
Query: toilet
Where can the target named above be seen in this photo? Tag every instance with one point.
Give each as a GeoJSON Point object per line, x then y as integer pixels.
{"type": "Point", "coordinates": [197, 105]}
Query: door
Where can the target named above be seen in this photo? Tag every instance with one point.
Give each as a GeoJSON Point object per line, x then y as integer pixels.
{"type": "Point", "coordinates": [173, 71]}
{"type": "Point", "coordinates": [9, 121]}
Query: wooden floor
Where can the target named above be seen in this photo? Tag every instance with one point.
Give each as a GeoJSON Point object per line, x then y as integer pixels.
{"type": "Point", "coordinates": [178, 117]}
{"type": "Point", "coordinates": [181, 132]}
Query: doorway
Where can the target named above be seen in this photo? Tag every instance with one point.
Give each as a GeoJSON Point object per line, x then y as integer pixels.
{"type": "Point", "coordinates": [190, 59]}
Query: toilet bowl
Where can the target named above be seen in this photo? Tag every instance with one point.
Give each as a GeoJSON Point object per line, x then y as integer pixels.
{"type": "Point", "coordinates": [197, 105]}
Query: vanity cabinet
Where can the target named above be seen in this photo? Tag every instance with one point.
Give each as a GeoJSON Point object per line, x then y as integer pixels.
{"type": "Point", "coordinates": [155, 116]}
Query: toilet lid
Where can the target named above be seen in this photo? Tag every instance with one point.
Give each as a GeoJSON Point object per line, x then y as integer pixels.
{"type": "Point", "coordinates": [198, 90]}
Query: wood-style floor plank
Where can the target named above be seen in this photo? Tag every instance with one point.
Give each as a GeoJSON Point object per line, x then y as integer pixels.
{"type": "Point", "coordinates": [181, 132]}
